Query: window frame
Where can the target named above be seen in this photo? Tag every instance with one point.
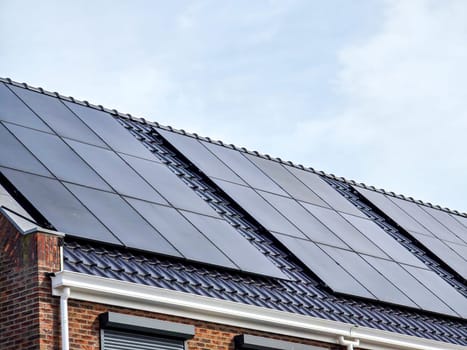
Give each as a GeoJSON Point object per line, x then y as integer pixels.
{"type": "Point", "coordinates": [144, 326]}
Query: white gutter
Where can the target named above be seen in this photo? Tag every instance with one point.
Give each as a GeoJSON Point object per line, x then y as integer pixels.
{"type": "Point", "coordinates": [131, 295]}
{"type": "Point", "coordinates": [64, 295]}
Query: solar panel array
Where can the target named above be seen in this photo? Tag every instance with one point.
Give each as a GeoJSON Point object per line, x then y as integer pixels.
{"type": "Point", "coordinates": [90, 178]}
{"type": "Point", "coordinates": [331, 236]}
{"type": "Point", "coordinates": [443, 233]}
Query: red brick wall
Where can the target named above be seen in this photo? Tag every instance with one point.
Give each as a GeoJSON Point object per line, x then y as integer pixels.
{"type": "Point", "coordinates": [27, 310]}
{"type": "Point", "coordinates": [29, 314]}
{"type": "Point", "coordinates": [84, 329]}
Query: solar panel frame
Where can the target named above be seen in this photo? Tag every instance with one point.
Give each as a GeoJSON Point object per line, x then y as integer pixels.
{"type": "Point", "coordinates": [308, 224]}
{"type": "Point", "coordinates": [444, 252]}
{"type": "Point", "coordinates": [245, 256]}
{"type": "Point", "coordinates": [411, 287]}
{"type": "Point", "coordinates": [110, 131]}
{"type": "Point", "coordinates": [58, 157]}
{"type": "Point", "coordinates": [181, 233]}
{"type": "Point", "coordinates": [200, 156]}
{"type": "Point", "coordinates": [244, 168]}
{"type": "Point", "coordinates": [374, 281]}
{"type": "Point", "coordinates": [390, 209]}
{"type": "Point", "coordinates": [350, 213]}
{"type": "Point", "coordinates": [118, 174]}
{"type": "Point", "coordinates": [449, 222]}
{"type": "Point", "coordinates": [13, 110]}
{"type": "Point", "coordinates": [235, 157]}
{"type": "Point", "coordinates": [434, 227]}
{"type": "Point", "coordinates": [460, 249]}
{"type": "Point", "coordinates": [451, 297]}
{"type": "Point", "coordinates": [345, 230]}
{"type": "Point", "coordinates": [463, 221]}
{"type": "Point", "coordinates": [61, 208]}
{"type": "Point", "coordinates": [330, 195]}
{"type": "Point", "coordinates": [311, 254]}
{"type": "Point", "coordinates": [287, 181]}
{"type": "Point", "coordinates": [172, 189]}
{"type": "Point", "coordinates": [431, 241]}
{"type": "Point", "coordinates": [384, 241]}
{"type": "Point", "coordinates": [124, 221]}
{"type": "Point", "coordinates": [76, 143]}
{"type": "Point", "coordinates": [58, 117]}
{"type": "Point", "coordinates": [259, 208]}
{"type": "Point", "coordinates": [13, 154]}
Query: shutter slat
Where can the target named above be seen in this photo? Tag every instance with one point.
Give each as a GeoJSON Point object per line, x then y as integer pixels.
{"type": "Point", "coordinates": [117, 340]}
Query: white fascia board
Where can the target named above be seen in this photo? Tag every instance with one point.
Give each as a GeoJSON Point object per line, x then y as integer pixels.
{"type": "Point", "coordinates": [135, 296]}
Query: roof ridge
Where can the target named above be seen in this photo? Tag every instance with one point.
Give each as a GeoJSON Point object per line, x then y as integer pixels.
{"type": "Point", "coordinates": [231, 146]}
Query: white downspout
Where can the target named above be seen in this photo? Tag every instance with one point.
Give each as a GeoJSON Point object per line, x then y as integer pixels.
{"type": "Point", "coordinates": [349, 343]}
{"type": "Point", "coordinates": [64, 317]}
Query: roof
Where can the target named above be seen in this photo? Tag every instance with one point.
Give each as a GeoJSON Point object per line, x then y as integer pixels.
{"type": "Point", "coordinates": [302, 292]}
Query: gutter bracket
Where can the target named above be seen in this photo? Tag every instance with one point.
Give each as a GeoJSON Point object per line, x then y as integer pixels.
{"type": "Point", "coordinates": [349, 343]}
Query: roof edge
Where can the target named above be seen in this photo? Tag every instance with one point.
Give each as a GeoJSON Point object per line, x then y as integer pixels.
{"type": "Point", "coordinates": [131, 295]}
{"type": "Point", "coordinates": [231, 146]}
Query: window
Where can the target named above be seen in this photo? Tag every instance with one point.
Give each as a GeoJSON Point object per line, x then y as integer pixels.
{"type": "Point", "coordinates": [124, 332]}
{"type": "Point", "coordinates": [252, 342]}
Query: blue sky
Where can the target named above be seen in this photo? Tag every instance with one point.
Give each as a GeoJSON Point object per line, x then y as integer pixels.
{"type": "Point", "coordinates": [370, 90]}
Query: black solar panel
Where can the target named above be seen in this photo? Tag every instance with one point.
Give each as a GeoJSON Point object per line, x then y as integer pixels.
{"type": "Point", "coordinates": [12, 109]}
{"type": "Point", "coordinates": [410, 286]}
{"type": "Point", "coordinates": [325, 267]}
{"type": "Point", "coordinates": [450, 296]}
{"type": "Point", "coordinates": [245, 169]}
{"type": "Point", "coordinates": [431, 224]}
{"type": "Point", "coordinates": [57, 116]}
{"type": "Point", "coordinates": [259, 208]}
{"type": "Point", "coordinates": [303, 220]}
{"type": "Point", "coordinates": [201, 157]}
{"type": "Point", "coordinates": [374, 281]}
{"type": "Point", "coordinates": [330, 235]}
{"type": "Point", "coordinates": [110, 131]}
{"type": "Point", "coordinates": [347, 232]}
{"type": "Point", "coordinates": [91, 178]}
{"type": "Point", "coordinates": [58, 157]}
{"type": "Point", "coordinates": [223, 236]}
{"type": "Point", "coordinates": [324, 191]}
{"type": "Point", "coordinates": [287, 180]}
{"type": "Point", "coordinates": [449, 222]}
{"type": "Point", "coordinates": [462, 231]}
{"type": "Point", "coordinates": [172, 189]}
{"type": "Point", "coordinates": [116, 172]}
{"type": "Point", "coordinates": [438, 231]}
{"type": "Point", "coordinates": [444, 251]}
{"type": "Point", "coordinates": [177, 230]}
{"type": "Point", "coordinates": [14, 155]}
{"type": "Point", "coordinates": [123, 221]}
{"type": "Point", "coordinates": [66, 213]}
{"type": "Point", "coordinates": [390, 246]}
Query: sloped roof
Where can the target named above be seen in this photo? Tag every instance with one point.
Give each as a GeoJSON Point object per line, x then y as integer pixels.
{"type": "Point", "coordinates": [302, 292]}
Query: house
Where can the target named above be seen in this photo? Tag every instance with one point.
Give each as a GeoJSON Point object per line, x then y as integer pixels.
{"type": "Point", "coordinates": [119, 233]}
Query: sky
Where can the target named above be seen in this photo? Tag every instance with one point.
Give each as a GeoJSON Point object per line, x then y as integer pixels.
{"type": "Point", "coordinates": [371, 90]}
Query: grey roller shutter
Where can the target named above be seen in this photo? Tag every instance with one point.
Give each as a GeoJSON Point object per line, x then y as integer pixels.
{"type": "Point", "coordinates": [118, 340]}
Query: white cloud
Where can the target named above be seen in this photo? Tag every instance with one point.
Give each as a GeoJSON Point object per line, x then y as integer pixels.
{"type": "Point", "coordinates": [404, 122]}
{"type": "Point", "coordinates": [378, 97]}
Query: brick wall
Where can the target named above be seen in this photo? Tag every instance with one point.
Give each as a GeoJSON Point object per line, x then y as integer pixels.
{"type": "Point", "coordinates": [28, 317]}
{"type": "Point", "coordinates": [84, 329]}
{"type": "Point", "coordinates": [29, 314]}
